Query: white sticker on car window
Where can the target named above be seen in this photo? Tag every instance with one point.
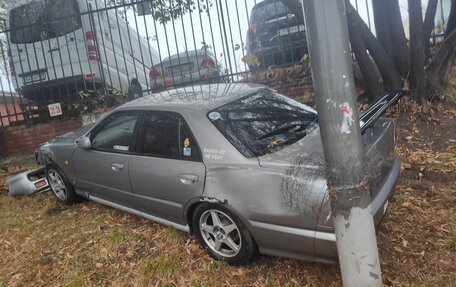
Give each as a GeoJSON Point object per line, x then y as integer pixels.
{"type": "Point", "coordinates": [187, 151]}
{"type": "Point", "coordinates": [214, 116]}
{"type": "Point", "coordinates": [121, 147]}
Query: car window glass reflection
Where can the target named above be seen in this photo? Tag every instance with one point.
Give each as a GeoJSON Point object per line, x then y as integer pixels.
{"type": "Point", "coordinates": [263, 123]}
{"type": "Point", "coordinates": [268, 11]}
{"type": "Point", "coordinates": [160, 135]}
{"type": "Point", "coordinates": [115, 133]}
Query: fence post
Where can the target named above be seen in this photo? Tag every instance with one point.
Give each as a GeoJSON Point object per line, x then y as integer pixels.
{"type": "Point", "coordinates": [332, 73]}
{"type": "Point", "coordinates": [2, 143]}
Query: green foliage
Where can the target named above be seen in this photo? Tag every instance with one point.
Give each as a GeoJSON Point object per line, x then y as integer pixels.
{"type": "Point", "coordinates": [116, 237]}
{"type": "Point", "coordinates": [251, 60]}
{"type": "Point", "coordinates": [205, 46]}
{"type": "Point", "coordinates": [166, 10]}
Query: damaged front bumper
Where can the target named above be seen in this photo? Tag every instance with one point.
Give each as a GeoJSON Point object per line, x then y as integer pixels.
{"type": "Point", "coordinates": [28, 182]}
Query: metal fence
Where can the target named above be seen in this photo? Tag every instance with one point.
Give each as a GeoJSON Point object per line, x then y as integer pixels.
{"type": "Point", "coordinates": [61, 58]}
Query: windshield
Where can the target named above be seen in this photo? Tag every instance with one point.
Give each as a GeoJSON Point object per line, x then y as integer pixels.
{"type": "Point", "coordinates": [264, 12]}
{"type": "Point", "coordinates": [41, 20]}
{"type": "Point", "coordinates": [263, 123]}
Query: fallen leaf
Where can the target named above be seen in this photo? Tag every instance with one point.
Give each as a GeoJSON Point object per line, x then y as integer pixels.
{"type": "Point", "coordinates": [398, 249]}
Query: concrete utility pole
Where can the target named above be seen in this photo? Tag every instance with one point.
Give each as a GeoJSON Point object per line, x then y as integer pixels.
{"type": "Point", "coordinates": [327, 34]}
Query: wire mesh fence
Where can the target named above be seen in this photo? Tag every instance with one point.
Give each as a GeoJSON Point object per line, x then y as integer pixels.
{"type": "Point", "coordinates": [62, 58]}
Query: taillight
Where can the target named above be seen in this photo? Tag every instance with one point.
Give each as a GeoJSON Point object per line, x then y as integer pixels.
{"type": "Point", "coordinates": [207, 63]}
{"type": "Point", "coordinates": [154, 74]}
{"type": "Point", "coordinates": [11, 63]}
{"type": "Point", "coordinates": [91, 47]}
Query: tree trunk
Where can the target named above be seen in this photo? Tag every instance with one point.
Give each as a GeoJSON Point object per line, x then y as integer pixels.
{"type": "Point", "coordinates": [382, 26]}
{"type": "Point", "coordinates": [372, 80]}
{"type": "Point", "coordinates": [451, 19]}
{"type": "Point", "coordinates": [417, 49]}
{"type": "Point", "coordinates": [401, 51]}
{"type": "Point", "coordinates": [438, 70]}
{"type": "Point", "coordinates": [391, 77]}
{"type": "Point", "coordinates": [428, 25]}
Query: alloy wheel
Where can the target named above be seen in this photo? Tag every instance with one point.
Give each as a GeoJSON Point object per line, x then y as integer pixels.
{"type": "Point", "coordinates": [220, 233]}
{"type": "Point", "coordinates": [57, 184]}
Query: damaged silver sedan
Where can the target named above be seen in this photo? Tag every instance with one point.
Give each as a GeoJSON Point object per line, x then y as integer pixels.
{"type": "Point", "coordinates": [238, 165]}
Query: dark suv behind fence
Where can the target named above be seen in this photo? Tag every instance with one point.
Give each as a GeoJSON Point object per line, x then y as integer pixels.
{"type": "Point", "coordinates": [275, 36]}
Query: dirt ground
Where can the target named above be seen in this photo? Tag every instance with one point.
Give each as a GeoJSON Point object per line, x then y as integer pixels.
{"type": "Point", "coordinates": [43, 243]}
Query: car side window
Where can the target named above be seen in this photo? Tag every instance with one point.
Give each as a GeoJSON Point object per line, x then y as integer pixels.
{"type": "Point", "coordinates": [115, 133]}
{"type": "Point", "coordinates": [166, 135]}
{"type": "Point", "coordinates": [160, 135]}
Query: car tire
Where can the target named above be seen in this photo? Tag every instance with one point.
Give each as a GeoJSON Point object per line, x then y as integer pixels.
{"type": "Point", "coordinates": [223, 235]}
{"type": "Point", "coordinates": [135, 90]}
{"type": "Point", "coordinates": [60, 186]}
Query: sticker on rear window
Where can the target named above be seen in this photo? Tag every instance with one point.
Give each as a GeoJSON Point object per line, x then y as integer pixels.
{"type": "Point", "coordinates": [214, 116]}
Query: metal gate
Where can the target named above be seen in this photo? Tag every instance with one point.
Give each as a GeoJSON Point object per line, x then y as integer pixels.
{"type": "Point", "coordinates": [62, 58]}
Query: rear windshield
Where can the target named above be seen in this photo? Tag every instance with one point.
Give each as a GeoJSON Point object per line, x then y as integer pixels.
{"type": "Point", "coordinates": [263, 123]}
{"type": "Point", "coordinates": [264, 12]}
{"type": "Point", "coordinates": [42, 20]}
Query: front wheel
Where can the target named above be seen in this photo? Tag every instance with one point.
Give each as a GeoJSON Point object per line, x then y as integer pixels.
{"type": "Point", "coordinates": [223, 235]}
{"type": "Point", "coordinates": [60, 185]}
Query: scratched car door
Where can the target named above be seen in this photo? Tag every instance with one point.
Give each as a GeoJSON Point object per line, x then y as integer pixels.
{"type": "Point", "coordinates": [166, 171]}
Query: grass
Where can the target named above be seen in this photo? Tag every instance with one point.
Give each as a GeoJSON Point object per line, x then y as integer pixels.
{"type": "Point", "coordinates": [165, 268]}
{"type": "Point", "coordinates": [116, 237]}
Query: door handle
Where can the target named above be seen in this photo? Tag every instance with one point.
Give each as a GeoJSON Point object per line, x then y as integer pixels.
{"type": "Point", "coordinates": [117, 166]}
{"type": "Point", "coordinates": [187, 178]}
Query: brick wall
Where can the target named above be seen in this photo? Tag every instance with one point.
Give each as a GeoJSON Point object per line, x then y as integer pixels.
{"type": "Point", "coordinates": [22, 139]}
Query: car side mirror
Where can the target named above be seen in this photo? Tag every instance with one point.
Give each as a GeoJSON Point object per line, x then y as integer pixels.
{"type": "Point", "coordinates": [84, 142]}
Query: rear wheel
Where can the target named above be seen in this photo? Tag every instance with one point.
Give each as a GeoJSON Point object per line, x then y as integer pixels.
{"type": "Point", "coordinates": [60, 185]}
{"type": "Point", "coordinates": [223, 235]}
{"type": "Point", "coordinates": [135, 90]}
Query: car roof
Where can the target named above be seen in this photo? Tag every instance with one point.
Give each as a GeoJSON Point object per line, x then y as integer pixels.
{"type": "Point", "coordinates": [193, 53]}
{"type": "Point", "coordinates": [265, 2]}
{"type": "Point", "coordinates": [206, 97]}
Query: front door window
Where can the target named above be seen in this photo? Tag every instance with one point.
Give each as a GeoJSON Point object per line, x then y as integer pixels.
{"type": "Point", "coordinates": [115, 134]}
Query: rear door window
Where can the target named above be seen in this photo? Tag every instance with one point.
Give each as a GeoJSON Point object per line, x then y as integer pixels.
{"type": "Point", "coordinates": [166, 135]}
{"type": "Point", "coordinates": [159, 135]}
{"type": "Point", "coordinates": [42, 20]}
{"type": "Point", "coordinates": [267, 11]}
